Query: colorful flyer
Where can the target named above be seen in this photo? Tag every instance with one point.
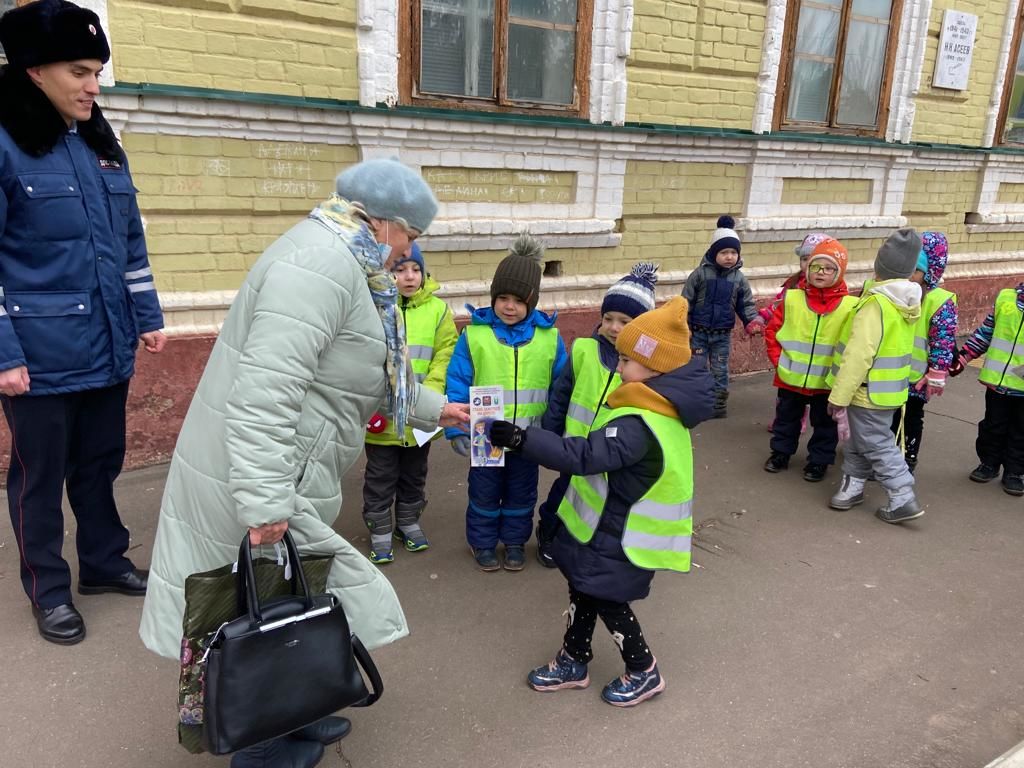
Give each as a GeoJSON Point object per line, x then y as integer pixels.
{"type": "Point", "coordinates": [486, 406]}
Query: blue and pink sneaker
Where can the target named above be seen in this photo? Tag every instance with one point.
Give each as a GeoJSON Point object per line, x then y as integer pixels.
{"type": "Point", "coordinates": [633, 687]}
{"type": "Point", "coordinates": [562, 672]}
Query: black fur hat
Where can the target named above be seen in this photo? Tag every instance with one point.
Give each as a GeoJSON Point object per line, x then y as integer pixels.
{"type": "Point", "coordinates": [51, 30]}
{"type": "Point", "coordinates": [35, 124]}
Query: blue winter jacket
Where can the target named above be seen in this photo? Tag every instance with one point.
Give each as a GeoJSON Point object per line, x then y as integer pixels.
{"type": "Point", "coordinates": [633, 459]}
{"type": "Point", "coordinates": [716, 294]}
{"type": "Point", "coordinates": [76, 289]}
{"type": "Point", "coordinates": [460, 369]}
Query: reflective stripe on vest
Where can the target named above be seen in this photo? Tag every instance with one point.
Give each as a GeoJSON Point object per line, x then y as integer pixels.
{"type": "Point", "coordinates": [659, 526]}
{"type": "Point", "coordinates": [1005, 355]}
{"type": "Point", "coordinates": [932, 303]}
{"type": "Point", "coordinates": [592, 383]}
{"type": "Point", "coordinates": [889, 376]}
{"type": "Point", "coordinates": [806, 364]}
{"type": "Point", "coordinates": [421, 323]}
{"type": "Point", "coordinates": [523, 371]}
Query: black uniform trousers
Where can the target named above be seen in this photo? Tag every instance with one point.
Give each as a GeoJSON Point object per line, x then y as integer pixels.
{"type": "Point", "coordinates": [77, 439]}
{"type": "Point", "coordinates": [1001, 433]}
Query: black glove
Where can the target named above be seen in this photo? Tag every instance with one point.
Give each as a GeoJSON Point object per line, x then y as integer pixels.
{"type": "Point", "coordinates": [505, 434]}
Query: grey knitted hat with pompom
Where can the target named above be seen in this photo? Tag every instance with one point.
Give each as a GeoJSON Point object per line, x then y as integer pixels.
{"type": "Point", "coordinates": [519, 273]}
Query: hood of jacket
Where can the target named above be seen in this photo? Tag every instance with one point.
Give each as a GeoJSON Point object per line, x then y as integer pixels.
{"type": "Point", "coordinates": [823, 300]}
{"type": "Point", "coordinates": [513, 335]}
{"type": "Point", "coordinates": [424, 294]}
{"type": "Point", "coordinates": [709, 259]}
{"type": "Point", "coordinates": [936, 248]}
{"type": "Point", "coordinates": [905, 296]}
{"type": "Point", "coordinates": [687, 393]}
{"type": "Point", "coordinates": [606, 349]}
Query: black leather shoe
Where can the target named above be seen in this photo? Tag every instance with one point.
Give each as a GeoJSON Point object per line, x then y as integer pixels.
{"type": "Point", "coordinates": [814, 472]}
{"type": "Point", "coordinates": [279, 753]}
{"type": "Point", "coordinates": [1013, 484]}
{"type": "Point", "coordinates": [63, 625]}
{"type": "Point", "coordinates": [776, 462]}
{"type": "Point", "coordinates": [983, 473]}
{"type": "Point", "coordinates": [132, 583]}
{"type": "Point", "coordinates": [325, 731]}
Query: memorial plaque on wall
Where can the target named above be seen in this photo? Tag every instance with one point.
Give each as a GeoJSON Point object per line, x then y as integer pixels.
{"type": "Point", "coordinates": [956, 46]}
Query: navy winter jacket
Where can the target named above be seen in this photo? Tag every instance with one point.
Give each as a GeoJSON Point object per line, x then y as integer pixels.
{"type": "Point", "coordinates": [716, 295]}
{"type": "Point", "coordinates": [561, 392]}
{"type": "Point", "coordinates": [631, 456]}
{"type": "Point", "coordinates": [76, 286]}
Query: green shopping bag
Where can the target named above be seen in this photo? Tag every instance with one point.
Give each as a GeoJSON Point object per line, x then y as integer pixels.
{"type": "Point", "coordinates": [211, 600]}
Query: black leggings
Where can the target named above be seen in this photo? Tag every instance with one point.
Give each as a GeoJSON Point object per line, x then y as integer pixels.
{"type": "Point", "coordinates": [620, 621]}
{"type": "Point", "coordinates": [913, 425]}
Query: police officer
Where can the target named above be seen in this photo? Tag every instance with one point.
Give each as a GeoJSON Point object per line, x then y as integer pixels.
{"type": "Point", "coordinates": [77, 296]}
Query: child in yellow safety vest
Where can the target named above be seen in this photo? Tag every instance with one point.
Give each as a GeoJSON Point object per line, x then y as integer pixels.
{"type": "Point", "coordinates": [801, 338]}
{"type": "Point", "coordinates": [628, 510]}
{"type": "Point", "coordinates": [870, 379]}
{"type": "Point", "coordinates": [1000, 338]}
{"type": "Point", "coordinates": [512, 344]}
{"type": "Point", "coordinates": [396, 466]}
{"type": "Point", "coordinates": [934, 344]}
{"type": "Point", "coordinates": [588, 380]}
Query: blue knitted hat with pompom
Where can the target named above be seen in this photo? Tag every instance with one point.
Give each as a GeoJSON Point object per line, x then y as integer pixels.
{"type": "Point", "coordinates": [634, 294]}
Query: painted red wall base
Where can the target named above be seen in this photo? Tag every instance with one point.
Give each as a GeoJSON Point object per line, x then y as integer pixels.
{"type": "Point", "coordinates": [163, 384]}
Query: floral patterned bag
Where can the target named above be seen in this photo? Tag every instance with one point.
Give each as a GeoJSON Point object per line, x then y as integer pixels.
{"type": "Point", "coordinates": [210, 601]}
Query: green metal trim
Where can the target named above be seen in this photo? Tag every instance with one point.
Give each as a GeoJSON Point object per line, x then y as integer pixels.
{"type": "Point", "coordinates": [474, 116]}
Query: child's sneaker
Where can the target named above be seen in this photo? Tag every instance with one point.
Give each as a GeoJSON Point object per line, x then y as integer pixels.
{"type": "Point", "coordinates": [382, 556]}
{"type": "Point", "coordinates": [414, 541]}
{"type": "Point", "coordinates": [983, 473]}
{"type": "Point", "coordinates": [515, 557]}
{"type": "Point", "coordinates": [633, 687]}
{"type": "Point", "coordinates": [486, 560]}
{"type": "Point", "coordinates": [562, 672]}
{"type": "Point", "coordinates": [1013, 484]}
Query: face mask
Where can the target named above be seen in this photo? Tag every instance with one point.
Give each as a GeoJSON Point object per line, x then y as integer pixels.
{"type": "Point", "coordinates": [383, 248]}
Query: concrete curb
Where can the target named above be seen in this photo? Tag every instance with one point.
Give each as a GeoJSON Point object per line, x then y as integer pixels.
{"type": "Point", "coordinates": [1012, 759]}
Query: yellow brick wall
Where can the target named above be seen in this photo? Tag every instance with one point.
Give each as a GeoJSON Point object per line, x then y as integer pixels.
{"type": "Point", "coordinates": [695, 62]}
{"type": "Point", "coordinates": [939, 201]}
{"type": "Point", "coordinates": [1010, 193]}
{"type": "Point", "coordinates": [670, 210]}
{"type": "Point", "coordinates": [797, 191]}
{"type": "Point", "coordinates": [959, 117]}
{"type": "Point", "coordinates": [293, 47]}
{"type": "Point", "coordinates": [213, 205]}
{"type": "Point", "coordinates": [500, 185]}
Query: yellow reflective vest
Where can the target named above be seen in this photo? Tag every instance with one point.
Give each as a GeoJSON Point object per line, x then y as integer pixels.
{"type": "Point", "coordinates": [889, 377]}
{"type": "Point", "coordinates": [659, 526]}
{"type": "Point", "coordinates": [592, 383]}
{"type": "Point", "coordinates": [523, 371]}
{"type": "Point", "coordinates": [808, 340]}
{"type": "Point", "coordinates": [430, 336]}
{"type": "Point", "coordinates": [1005, 356]}
{"type": "Point", "coordinates": [932, 302]}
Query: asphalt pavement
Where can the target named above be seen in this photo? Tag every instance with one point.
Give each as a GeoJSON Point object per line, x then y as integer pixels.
{"type": "Point", "coordinates": [802, 636]}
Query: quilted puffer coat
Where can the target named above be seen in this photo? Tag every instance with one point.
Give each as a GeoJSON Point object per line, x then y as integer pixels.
{"type": "Point", "coordinates": [277, 419]}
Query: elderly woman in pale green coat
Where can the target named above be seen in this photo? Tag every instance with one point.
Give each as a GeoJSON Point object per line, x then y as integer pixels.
{"type": "Point", "coordinates": [310, 348]}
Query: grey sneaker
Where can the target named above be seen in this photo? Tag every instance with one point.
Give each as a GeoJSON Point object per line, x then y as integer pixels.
{"type": "Point", "coordinates": [907, 511]}
{"type": "Point", "coordinates": [850, 493]}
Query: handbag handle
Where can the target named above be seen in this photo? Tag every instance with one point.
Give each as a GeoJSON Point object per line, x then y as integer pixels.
{"type": "Point", "coordinates": [364, 660]}
{"type": "Point", "coordinates": [246, 583]}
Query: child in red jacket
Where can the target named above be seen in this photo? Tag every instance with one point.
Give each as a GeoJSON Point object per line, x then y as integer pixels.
{"type": "Point", "coordinates": [801, 338]}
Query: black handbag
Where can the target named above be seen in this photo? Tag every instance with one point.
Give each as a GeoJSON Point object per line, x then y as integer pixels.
{"type": "Point", "coordinates": [282, 665]}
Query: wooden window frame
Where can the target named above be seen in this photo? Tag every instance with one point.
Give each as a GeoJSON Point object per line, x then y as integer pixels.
{"type": "Point", "coordinates": [786, 72]}
{"type": "Point", "coordinates": [410, 16]}
{"type": "Point", "coordinates": [1011, 64]}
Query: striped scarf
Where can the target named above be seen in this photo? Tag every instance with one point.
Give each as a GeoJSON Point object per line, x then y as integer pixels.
{"type": "Point", "coordinates": [349, 221]}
